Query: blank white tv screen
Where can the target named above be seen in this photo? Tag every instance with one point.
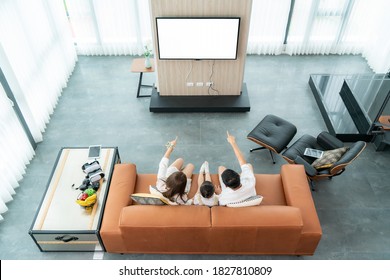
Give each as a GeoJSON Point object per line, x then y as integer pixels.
{"type": "Point", "coordinates": [197, 38]}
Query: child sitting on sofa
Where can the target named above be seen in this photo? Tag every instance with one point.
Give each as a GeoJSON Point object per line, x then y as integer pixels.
{"type": "Point", "coordinates": [206, 190]}
{"type": "Point", "coordinates": [174, 181]}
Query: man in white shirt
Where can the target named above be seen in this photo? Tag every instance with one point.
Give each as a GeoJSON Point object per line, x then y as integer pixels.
{"type": "Point", "coordinates": [235, 187]}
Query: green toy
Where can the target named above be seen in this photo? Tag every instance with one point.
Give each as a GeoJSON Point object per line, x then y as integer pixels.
{"type": "Point", "coordinates": [89, 191]}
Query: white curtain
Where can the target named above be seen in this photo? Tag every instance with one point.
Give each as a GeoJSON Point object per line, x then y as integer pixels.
{"type": "Point", "coordinates": [116, 27]}
{"type": "Point", "coordinates": [342, 27]}
{"type": "Point", "coordinates": [15, 150]}
{"type": "Point", "coordinates": [323, 27]}
{"type": "Point", "coordinates": [267, 27]}
{"type": "Point", "coordinates": [37, 56]}
{"type": "Point", "coordinates": [377, 47]}
{"type": "Point", "coordinates": [316, 27]}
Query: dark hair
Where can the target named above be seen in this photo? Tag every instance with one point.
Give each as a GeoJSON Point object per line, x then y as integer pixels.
{"type": "Point", "coordinates": [231, 178]}
{"type": "Point", "coordinates": [207, 189]}
{"type": "Point", "coordinates": [176, 184]}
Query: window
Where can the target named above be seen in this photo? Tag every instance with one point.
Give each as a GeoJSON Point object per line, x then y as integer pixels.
{"type": "Point", "coordinates": [114, 27]}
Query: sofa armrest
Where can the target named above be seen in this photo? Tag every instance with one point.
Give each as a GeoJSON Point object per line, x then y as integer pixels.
{"type": "Point", "coordinates": [121, 187]}
{"type": "Point", "coordinates": [298, 194]}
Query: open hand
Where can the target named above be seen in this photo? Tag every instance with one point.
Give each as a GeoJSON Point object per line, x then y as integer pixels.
{"type": "Point", "coordinates": [218, 189]}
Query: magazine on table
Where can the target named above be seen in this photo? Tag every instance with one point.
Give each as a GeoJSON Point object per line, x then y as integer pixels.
{"type": "Point", "coordinates": [313, 153]}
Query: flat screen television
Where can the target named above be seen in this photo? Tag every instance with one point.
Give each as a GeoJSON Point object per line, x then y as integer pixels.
{"type": "Point", "coordinates": [197, 38]}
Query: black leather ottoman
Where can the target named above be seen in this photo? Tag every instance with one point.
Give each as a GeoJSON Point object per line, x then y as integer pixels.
{"type": "Point", "coordinates": [272, 133]}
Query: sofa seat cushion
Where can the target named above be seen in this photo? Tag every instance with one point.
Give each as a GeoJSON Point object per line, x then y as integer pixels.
{"type": "Point", "coordinates": [267, 229]}
{"type": "Point", "coordinates": [168, 229]}
{"type": "Point", "coordinates": [144, 181]}
{"type": "Point", "coordinates": [270, 187]}
{"type": "Point", "coordinates": [256, 216]}
{"type": "Point", "coordinates": [267, 185]}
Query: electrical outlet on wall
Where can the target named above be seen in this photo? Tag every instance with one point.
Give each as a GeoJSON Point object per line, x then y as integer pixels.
{"type": "Point", "coordinates": [209, 84]}
{"type": "Point", "coordinates": [199, 84]}
{"type": "Point", "coordinates": [189, 84]}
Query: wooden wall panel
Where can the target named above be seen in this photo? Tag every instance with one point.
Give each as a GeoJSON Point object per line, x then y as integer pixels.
{"type": "Point", "coordinates": [227, 75]}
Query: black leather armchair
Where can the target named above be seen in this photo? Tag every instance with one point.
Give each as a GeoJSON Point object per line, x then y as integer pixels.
{"type": "Point", "coordinates": [324, 141]}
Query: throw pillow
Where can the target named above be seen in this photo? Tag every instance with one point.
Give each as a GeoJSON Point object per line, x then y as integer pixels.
{"type": "Point", "coordinates": [329, 158]}
{"type": "Point", "coordinates": [149, 199]}
{"type": "Point", "coordinates": [251, 201]}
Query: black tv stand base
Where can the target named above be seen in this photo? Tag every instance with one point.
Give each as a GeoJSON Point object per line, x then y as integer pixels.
{"type": "Point", "coordinates": [209, 103]}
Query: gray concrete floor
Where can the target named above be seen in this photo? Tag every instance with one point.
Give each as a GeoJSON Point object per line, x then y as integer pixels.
{"type": "Point", "coordinates": [99, 106]}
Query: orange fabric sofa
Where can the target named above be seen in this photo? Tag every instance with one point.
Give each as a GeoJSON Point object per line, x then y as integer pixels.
{"type": "Point", "coordinates": [285, 223]}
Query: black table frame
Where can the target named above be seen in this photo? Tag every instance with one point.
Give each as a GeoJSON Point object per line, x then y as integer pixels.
{"type": "Point", "coordinates": [142, 85]}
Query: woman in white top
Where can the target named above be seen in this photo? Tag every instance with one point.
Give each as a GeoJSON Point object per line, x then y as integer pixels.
{"type": "Point", "coordinates": [206, 191]}
{"type": "Point", "coordinates": [174, 181]}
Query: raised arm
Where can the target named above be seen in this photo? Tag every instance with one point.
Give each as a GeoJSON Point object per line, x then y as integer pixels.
{"type": "Point", "coordinates": [232, 140]}
{"type": "Point", "coordinates": [170, 146]}
{"type": "Point", "coordinates": [163, 166]}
